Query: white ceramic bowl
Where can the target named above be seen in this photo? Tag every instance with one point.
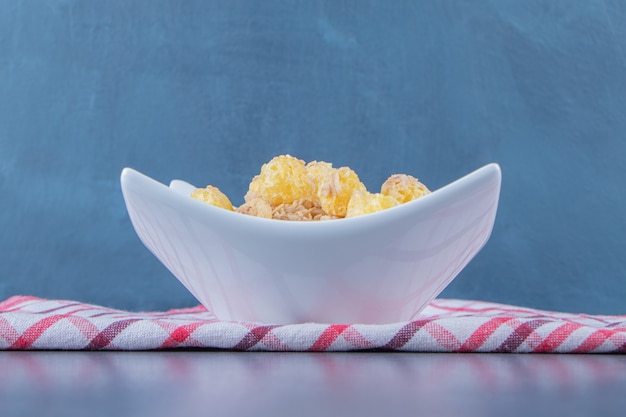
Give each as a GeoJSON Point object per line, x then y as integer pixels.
{"type": "Point", "coordinates": [383, 267]}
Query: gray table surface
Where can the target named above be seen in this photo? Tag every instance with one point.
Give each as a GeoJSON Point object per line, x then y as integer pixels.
{"type": "Point", "coordinates": [190, 383]}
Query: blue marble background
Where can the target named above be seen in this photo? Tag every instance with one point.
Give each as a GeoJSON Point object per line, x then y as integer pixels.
{"type": "Point", "coordinates": [209, 90]}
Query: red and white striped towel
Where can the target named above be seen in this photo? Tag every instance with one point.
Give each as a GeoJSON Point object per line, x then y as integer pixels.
{"type": "Point", "coordinates": [446, 325]}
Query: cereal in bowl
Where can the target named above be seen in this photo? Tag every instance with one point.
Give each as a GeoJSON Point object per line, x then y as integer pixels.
{"type": "Point", "coordinates": [287, 188]}
{"type": "Point", "coordinates": [212, 195]}
{"type": "Point", "coordinates": [282, 180]}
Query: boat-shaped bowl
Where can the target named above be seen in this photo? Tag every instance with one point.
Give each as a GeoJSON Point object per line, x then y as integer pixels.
{"type": "Point", "coordinates": [383, 267]}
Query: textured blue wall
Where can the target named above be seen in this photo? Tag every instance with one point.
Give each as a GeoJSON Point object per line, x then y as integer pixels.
{"type": "Point", "coordinates": [209, 90]}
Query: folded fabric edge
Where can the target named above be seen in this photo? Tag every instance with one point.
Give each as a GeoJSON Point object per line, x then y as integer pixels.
{"type": "Point", "coordinates": [16, 299]}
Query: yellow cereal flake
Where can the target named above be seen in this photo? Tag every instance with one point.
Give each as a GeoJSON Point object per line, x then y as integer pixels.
{"type": "Point", "coordinates": [282, 180]}
{"type": "Point", "coordinates": [363, 202]}
{"type": "Point", "coordinates": [212, 195]}
{"type": "Point", "coordinates": [316, 170]}
{"type": "Point", "coordinates": [336, 187]}
{"type": "Point", "coordinates": [404, 188]}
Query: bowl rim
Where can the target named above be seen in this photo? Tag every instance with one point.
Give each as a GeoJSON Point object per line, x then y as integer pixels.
{"type": "Point", "coordinates": [135, 180]}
